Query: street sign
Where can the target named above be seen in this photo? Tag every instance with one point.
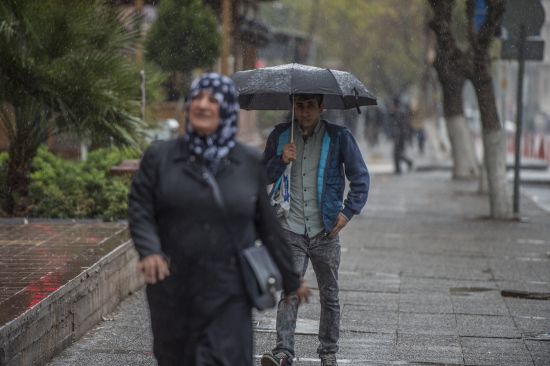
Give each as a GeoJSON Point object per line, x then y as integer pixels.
{"type": "Point", "coordinates": [533, 51]}
{"type": "Point", "coordinates": [529, 13]}
{"type": "Point", "coordinates": [480, 14]}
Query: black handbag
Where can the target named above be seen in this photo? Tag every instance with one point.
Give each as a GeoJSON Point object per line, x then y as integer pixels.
{"type": "Point", "coordinates": [261, 276]}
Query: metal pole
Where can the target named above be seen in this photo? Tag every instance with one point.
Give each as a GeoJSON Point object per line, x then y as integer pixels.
{"type": "Point", "coordinates": [519, 116]}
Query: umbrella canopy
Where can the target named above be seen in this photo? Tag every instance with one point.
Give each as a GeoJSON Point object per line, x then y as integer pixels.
{"type": "Point", "coordinates": [270, 88]}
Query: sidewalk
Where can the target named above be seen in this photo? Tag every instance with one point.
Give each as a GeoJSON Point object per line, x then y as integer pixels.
{"type": "Point", "coordinates": [425, 279]}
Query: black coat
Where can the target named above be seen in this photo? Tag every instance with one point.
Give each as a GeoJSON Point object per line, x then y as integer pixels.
{"type": "Point", "coordinates": [200, 314]}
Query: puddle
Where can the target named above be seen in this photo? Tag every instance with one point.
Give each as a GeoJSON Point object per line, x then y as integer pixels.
{"type": "Point", "coordinates": [467, 291]}
{"type": "Point", "coordinates": [525, 295]}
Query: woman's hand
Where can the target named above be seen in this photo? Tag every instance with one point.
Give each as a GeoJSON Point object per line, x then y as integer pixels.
{"type": "Point", "coordinates": [302, 293]}
{"type": "Point", "coordinates": [154, 268]}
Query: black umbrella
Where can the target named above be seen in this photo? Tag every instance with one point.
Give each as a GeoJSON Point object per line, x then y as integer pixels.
{"type": "Point", "coordinates": [270, 88]}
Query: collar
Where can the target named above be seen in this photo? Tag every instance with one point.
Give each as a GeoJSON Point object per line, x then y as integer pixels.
{"type": "Point", "coordinates": [316, 129]}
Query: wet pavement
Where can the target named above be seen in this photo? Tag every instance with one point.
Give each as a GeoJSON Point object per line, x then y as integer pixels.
{"type": "Point", "coordinates": [425, 279]}
{"type": "Point", "coordinates": [38, 258]}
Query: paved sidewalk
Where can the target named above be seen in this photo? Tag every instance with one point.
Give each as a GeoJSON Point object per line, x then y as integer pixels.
{"type": "Point", "coordinates": [425, 279]}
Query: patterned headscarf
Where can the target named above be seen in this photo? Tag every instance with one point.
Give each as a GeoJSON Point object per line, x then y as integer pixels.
{"type": "Point", "coordinates": [214, 147]}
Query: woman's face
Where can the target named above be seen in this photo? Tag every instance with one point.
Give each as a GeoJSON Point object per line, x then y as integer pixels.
{"type": "Point", "coordinates": [204, 113]}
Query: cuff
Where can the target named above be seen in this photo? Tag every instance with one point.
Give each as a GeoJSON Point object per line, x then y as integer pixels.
{"type": "Point", "coordinates": [347, 213]}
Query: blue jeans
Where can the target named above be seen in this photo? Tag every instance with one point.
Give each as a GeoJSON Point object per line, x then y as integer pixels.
{"type": "Point", "coordinates": [324, 253]}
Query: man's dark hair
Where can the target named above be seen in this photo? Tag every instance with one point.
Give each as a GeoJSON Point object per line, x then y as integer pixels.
{"type": "Point", "coordinates": [318, 97]}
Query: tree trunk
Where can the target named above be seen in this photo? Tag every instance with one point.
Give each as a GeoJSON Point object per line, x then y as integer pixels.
{"type": "Point", "coordinates": [451, 65]}
{"type": "Point", "coordinates": [465, 165]}
{"type": "Point", "coordinates": [494, 144]}
{"type": "Point", "coordinates": [20, 155]}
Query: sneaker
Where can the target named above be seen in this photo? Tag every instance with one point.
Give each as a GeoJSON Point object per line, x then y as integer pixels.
{"type": "Point", "coordinates": [280, 359]}
{"type": "Point", "coordinates": [328, 359]}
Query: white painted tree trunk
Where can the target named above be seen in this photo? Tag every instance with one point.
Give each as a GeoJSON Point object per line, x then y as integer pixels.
{"type": "Point", "coordinates": [494, 147]}
{"type": "Point", "coordinates": [465, 164]}
{"type": "Point", "coordinates": [483, 181]}
{"type": "Point", "coordinates": [438, 140]}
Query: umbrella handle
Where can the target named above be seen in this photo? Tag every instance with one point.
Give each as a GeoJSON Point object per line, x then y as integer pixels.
{"type": "Point", "coordinates": [357, 101]}
{"type": "Point", "coordinates": [292, 122]}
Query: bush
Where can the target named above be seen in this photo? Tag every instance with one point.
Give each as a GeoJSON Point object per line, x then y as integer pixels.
{"type": "Point", "coordinates": [72, 189]}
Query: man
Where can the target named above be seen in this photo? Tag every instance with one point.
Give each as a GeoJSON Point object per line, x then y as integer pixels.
{"type": "Point", "coordinates": [399, 117]}
{"type": "Point", "coordinates": [320, 155]}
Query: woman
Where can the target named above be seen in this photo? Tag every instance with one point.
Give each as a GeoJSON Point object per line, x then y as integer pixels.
{"type": "Point", "coordinates": [200, 314]}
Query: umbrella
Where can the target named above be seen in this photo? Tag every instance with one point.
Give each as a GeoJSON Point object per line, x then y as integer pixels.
{"type": "Point", "coordinates": [270, 88]}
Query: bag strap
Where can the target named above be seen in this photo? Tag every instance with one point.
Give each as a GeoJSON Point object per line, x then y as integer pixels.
{"type": "Point", "coordinates": [218, 198]}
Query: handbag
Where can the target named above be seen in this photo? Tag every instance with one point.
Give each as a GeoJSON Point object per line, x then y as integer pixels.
{"type": "Point", "coordinates": [261, 276]}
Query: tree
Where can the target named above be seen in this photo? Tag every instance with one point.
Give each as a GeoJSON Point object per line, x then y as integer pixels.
{"type": "Point", "coordinates": [474, 64]}
{"type": "Point", "coordinates": [494, 136]}
{"type": "Point", "coordinates": [63, 69]}
{"type": "Point", "coordinates": [452, 66]}
{"type": "Point", "coordinates": [183, 37]}
{"type": "Point", "coordinates": [374, 39]}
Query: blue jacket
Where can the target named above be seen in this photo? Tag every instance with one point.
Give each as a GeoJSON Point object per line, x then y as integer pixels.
{"type": "Point", "coordinates": [339, 155]}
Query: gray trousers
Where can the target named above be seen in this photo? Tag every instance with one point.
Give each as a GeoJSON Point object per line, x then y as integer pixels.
{"type": "Point", "coordinates": [324, 253]}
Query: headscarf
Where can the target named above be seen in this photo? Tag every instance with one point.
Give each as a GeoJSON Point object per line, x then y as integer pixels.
{"type": "Point", "coordinates": [214, 147]}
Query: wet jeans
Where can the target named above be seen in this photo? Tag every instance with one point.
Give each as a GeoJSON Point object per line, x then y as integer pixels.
{"type": "Point", "coordinates": [324, 253]}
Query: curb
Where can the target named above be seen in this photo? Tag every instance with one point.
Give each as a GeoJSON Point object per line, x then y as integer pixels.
{"type": "Point", "coordinates": [68, 313]}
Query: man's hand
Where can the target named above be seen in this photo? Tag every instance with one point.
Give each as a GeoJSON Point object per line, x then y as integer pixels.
{"type": "Point", "coordinates": [341, 221]}
{"type": "Point", "coordinates": [154, 268]}
{"type": "Point", "coordinates": [289, 152]}
{"type": "Point", "coordinates": [302, 294]}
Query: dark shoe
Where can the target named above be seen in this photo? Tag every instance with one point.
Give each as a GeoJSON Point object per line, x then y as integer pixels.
{"type": "Point", "coordinates": [329, 359]}
{"type": "Point", "coordinates": [280, 359]}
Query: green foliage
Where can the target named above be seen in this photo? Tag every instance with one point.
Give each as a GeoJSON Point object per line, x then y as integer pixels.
{"type": "Point", "coordinates": [65, 68]}
{"type": "Point", "coordinates": [184, 36]}
{"type": "Point", "coordinates": [69, 189]}
{"type": "Point", "coordinates": [69, 63]}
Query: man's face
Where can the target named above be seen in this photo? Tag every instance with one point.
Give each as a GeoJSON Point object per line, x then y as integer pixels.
{"type": "Point", "coordinates": [307, 112]}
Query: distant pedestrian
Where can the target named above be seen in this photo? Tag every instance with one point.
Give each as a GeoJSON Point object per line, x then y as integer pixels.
{"type": "Point", "coordinates": [374, 124]}
{"type": "Point", "coordinates": [398, 115]}
{"type": "Point", "coordinates": [320, 155]}
{"type": "Point", "coordinates": [200, 314]}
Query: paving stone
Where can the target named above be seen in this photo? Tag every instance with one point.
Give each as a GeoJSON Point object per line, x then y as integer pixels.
{"type": "Point", "coordinates": [540, 352]}
{"type": "Point", "coordinates": [360, 319]}
{"type": "Point", "coordinates": [427, 324]}
{"type": "Point", "coordinates": [495, 351]}
{"type": "Point", "coordinates": [512, 270]}
{"type": "Point", "coordinates": [429, 349]}
{"type": "Point", "coordinates": [532, 326]}
{"type": "Point", "coordinates": [526, 307]}
{"type": "Point", "coordinates": [425, 303]}
{"type": "Point", "coordinates": [427, 285]}
{"type": "Point", "coordinates": [479, 303]}
{"type": "Point", "coordinates": [486, 326]}
{"type": "Point", "coordinates": [375, 301]}
{"type": "Point", "coordinates": [370, 347]}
